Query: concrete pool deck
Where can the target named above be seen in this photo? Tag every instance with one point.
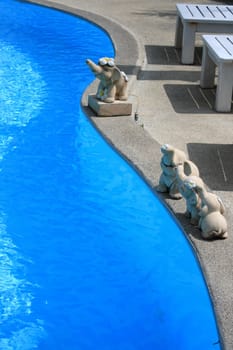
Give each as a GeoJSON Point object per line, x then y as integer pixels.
{"type": "Point", "coordinates": [172, 109]}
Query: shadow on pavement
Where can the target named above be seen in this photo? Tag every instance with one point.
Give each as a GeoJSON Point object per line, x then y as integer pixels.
{"type": "Point", "coordinates": [187, 98]}
{"type": "Point", "coordinates": [173, 75]}
{"type": "Point", "coordinates": [155, 13]}
{"type": "Point", "coordinates": [215, 163]}
{"type": "Point", "coordinates": [169, 55]}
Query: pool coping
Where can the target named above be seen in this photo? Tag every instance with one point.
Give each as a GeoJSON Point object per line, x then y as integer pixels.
{"type": "Point", "coordinates": [139, 149]}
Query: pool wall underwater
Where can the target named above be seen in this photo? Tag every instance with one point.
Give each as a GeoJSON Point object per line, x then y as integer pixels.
{"type": "Point", "coordinates": [91, 257]}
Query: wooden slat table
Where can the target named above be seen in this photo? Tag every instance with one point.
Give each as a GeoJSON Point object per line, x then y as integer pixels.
{"type": "Point", "coordinates": [218, 51]}
{"type": "Point", "coordinates": [193, 18]}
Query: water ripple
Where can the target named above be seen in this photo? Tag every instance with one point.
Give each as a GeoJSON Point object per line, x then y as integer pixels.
{"type": "Point", "coordinates": [22, 89]}
{"type": "Point", "coordinates": [15, 297]}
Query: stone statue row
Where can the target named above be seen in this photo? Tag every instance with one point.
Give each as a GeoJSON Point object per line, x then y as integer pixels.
{"type": "Point", "coordinates": [180, 178]}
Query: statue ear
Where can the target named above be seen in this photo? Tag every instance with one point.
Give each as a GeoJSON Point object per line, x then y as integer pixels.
{"type": "Point", "coordinates": [116, 74]}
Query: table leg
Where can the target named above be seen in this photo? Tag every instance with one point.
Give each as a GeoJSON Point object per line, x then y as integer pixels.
{"type": "Point", "coordinates": [207, 70]}
{"type": "Point", "coordinates": [179, 33]}
{"type": "Point", "coordinates": [224, 87]}
{"type": "Point", "coordinates": [188, 45]}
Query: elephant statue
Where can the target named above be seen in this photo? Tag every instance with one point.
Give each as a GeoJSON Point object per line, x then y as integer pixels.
{"type": "Point", "coordinates": [169, 161]}
{"type": "Point", "coordinates": [113, 82]}
{"type": "Point", "coordinates": [212, 221]}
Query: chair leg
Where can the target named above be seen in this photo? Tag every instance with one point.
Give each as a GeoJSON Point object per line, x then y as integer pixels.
{"type": "Point", "coordinates": [207, 70]}
{"type": "Point", "coordinates": [224, 87]}
{"type": "Point", "coordinates": [188, 45]}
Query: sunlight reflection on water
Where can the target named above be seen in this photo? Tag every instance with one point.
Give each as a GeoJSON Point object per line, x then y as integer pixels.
{"type": "Point", "coordinates": [22, 92]}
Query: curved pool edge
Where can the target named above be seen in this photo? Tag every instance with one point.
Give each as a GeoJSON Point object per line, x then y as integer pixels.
{"type": "Point", "coordinates": [143, 153]}
{"type": "Point", "coordinates": [128, 54]}
{"type": "Point", "coordinates": [133, 143]}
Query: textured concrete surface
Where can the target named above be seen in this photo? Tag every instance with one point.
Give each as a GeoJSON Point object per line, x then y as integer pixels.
{"type": "Point", "coordinates": [172, 109]}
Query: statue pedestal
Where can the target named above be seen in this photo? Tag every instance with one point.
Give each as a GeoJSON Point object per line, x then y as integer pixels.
{"type": "Point", "coordinates": [116, 108]}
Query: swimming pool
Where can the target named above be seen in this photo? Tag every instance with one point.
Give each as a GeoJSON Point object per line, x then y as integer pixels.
{"type": "Point", "coordinates": [90, 257]}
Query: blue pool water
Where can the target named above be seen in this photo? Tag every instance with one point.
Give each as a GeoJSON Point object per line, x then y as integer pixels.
{"type": "Point", "coordinates": [90, 258]}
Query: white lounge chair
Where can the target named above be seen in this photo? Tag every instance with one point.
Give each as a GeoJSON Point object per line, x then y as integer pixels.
{"type": "Point", "coordinates": [192, 18]}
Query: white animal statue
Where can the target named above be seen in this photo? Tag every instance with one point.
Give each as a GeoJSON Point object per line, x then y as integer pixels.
{"type": "Point", "coordinates": [113, 82]}
{"type": "Point", "coordinates": [193, 200]}
{"type": "Point", "coordinates": [212, 221]}
{"type": "Point", "coordinates": [170, 159]}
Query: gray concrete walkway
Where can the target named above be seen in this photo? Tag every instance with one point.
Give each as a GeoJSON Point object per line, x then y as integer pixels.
{"type": "Point", "coordinates": [172, 109]}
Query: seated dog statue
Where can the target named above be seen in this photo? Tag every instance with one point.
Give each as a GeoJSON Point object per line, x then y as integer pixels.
{"type": "Point", "coordinates": [113, 82]}
{"type": "Point", "coordinates": [169, 161]}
